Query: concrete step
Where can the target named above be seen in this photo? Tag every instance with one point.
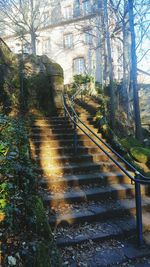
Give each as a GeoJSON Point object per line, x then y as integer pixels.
{"type": "Point", "coordinates": [117, 229]}
{"type": "Point", "coordinates": [115, 191]}
{"type": "Point", "coordinates": [72, 158]}
{"type": "Point", "coordinates": [58, 130]}
{"type": "Point", "coordinates": [61, 150]}
{"type": "Point", "coordinates": [104, 179]}
{"type": "Point", "coordinates": [111, 253]}
{"type": "Point", "coordinates": [59, 136]}
{"type": "Point", "coordinates": [65, 142]}
{"type": "Point", "coordinates": [100, 211]}
{"type": "Point", "coordinates": [50, 128]}
{"type": "Point", "coordinates": [72, 168]}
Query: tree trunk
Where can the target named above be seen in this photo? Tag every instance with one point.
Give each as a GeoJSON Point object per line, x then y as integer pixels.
{"type": "Point", "coordinates": [32, 32]}
{"type": "Point", "coordinates": [33, 42]}
{"type": "Point", "coordinates": [126, 63]}
{"type": "Point", "coordinates": [138, 130]}
{"type": "Point", "coordinates": [111, 91]}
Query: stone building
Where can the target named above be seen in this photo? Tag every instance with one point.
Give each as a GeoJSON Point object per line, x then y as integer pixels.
{"type": "Point", "coordinates": [71, 34]}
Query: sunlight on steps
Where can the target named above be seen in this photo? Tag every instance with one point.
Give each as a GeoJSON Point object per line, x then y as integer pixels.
{"type": "Point", "coordinates": [48, 163]}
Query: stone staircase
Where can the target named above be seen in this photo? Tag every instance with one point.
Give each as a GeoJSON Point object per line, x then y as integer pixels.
{"type": "Point", "coordinates": [90, 202]}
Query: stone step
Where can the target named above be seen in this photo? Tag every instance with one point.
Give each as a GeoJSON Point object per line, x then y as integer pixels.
{"type": "Point", "coordinates": [51, 118]}
{"type": "Point", "coordinates": [59, 136]}
{"type": "Point", "coordinates": [72, 158]}
{"type": "Point", "coordinates": [61, 150]}
{"type": "Point", "coordinates": [115, 191]}
{"type": "Point", "coordinates": [49, 124]}
{"type": "Point", "coordinates": [111, 253]}
{"type": "Point", "coordinates": [100, 211]}
{"type": "Point", "coordinates": [108, 178]}
{"type": "Point", "coordinates": [62, 130]}
{"type": "Point", "coordinates": [72, 168]}
{"type": "Point", "coordinates": [100, 231]}
{"type": "Point", "coordinates": [65, 142]}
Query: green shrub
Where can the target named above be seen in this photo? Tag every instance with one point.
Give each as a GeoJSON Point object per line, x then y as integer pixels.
{"type": "Point", "coordinates": [130, 142]}
{"type": "Point", "coordinates": [39, 220]}
{"type": "Point", "coordinates": [43, 258]}
{"type": "Point", "coordinates": [140, 154]}
{"type": "Point", "coordinates": [82, 79]}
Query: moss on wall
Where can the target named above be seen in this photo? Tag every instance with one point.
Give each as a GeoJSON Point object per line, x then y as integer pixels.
{"type": "Point", "coordinates": [130, 142]}
{"type": "Point", "coordinates": [46, 253]}
{"type": "Point", "coordinates": [43, 82]}
{"type": "Point", "coordinates": [9, 80]}
{"type": "Point", "coordinates": [140, 154]}
{"type": "Point", "coordinates": [40, 222]}
{"type": "Point", "coordinates": [41, 79]}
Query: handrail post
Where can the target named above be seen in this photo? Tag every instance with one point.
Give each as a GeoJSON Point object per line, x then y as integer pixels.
{"type": "Point", "coordinates": [139, 225]}
{"type": "Point", "coordinates": [65, 114]}
{"type": "Point", "coordinates": [75, 133]}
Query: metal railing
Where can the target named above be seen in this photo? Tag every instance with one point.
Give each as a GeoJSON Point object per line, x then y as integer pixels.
{"type": "Point", "coordinates": [79, 91]}
{"type": "Point", "coordinates": [137, 178]}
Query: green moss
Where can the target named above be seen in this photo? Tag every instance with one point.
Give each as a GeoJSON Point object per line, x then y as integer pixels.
{"type": "Point", "coordinates": [39, 219]}
{"type": "Point", "coordinates": [58, 80]}
{"type": "Point", "coordinates": [57, 67]}
{"type": "Point", "coordinates": [133, 163]}
{"type": "Point", "coordinates": [130, 142]}
{"type": "Point", "coordinates": [140, 154]}
{"type": "Point", "coordinates": [43, 258]}
{"type": "Point", "coordinates": [46, 255]}
{"type": "Point", "coordinates": [107, 132]}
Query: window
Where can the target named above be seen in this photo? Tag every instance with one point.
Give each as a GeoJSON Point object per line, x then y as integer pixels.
{"type": "Point", "coordinates": [68, 40]}
{"type": "Point", "coordinates": [67, 12]}
{"type": "Point", "coordinates": [79, 65]}
{"type": "Point", "coordinates": [88, 36]}
{"type": "Point", "coordinates": [46, 19]}
{"type": "Point", "coordinates": [86, 7]}
{"type": "Point", "coordinates": [46, 46]}
{"type": "Point", "coordinates": [76, 9]}
{"type": "Point", "coordinates": [56, 14]}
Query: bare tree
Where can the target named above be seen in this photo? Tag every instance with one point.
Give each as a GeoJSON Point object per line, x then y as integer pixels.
{"type": "Point", "coordinates": [109, 55]}
{"type": "Point", "coordinates": [23, 17]}
{"type": "Point", "coordinates": [134, 72]}
{"type": "Point", "coordinates": [133, 30]}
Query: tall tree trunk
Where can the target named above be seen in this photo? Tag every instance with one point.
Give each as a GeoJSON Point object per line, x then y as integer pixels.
{"type": "Point", "coordinates": [111, 90]}
{"type": "Point", "coordinates": [33, 42]}
{"type": "Point", "coordinates": [126, 62]}
{"type": "Point", "coordinates": [138, 130]}
{"type": "Point", "coordinates": [32, 31]}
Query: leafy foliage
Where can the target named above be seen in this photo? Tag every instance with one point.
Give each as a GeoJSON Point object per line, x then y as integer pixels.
{"type": "Point", "coordinates": [22, 214]}
{"type": "Point", "coordinates": [82, 79]}
{"type": "Point", "coordinates": [141, 154]}
{"type": "Point", "coordinates": [9, 80]}
{"type": "Point", "coordinates": [130, 142]}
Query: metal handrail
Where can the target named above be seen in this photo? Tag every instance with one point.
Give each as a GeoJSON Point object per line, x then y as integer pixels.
{"type": "Point", "coordinates": [138, 178]}
{"type": "Point", "coordinates": [116, 153]}
{"type": "Point", "coordinates": [79, 90]}
{"type": "Point", "coordinates": [145, 179]}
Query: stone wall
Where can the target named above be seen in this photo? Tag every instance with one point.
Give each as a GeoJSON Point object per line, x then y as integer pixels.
{"type": "Point", "coordinates": [28, 82]}
{"type": "Point", "coordinates": [9, 79]}
{"type": "Point", "coordinates": [144, 94]}
{"type": "Point", "coordinates": [43, 80]}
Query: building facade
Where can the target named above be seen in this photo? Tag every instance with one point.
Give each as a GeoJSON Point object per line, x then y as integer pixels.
{"type": "Point", "coordinates": [71, 33]}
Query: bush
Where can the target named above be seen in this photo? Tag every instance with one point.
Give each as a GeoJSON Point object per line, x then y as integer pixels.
{"type": "Point", "coordinates": [140, 154]}
{"type": "Point", "coordinates": [39, 220]}
{"type": "Point", "coordinates": [130, 142]}
{"type": "Point", "coordinates": [82, 79]}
